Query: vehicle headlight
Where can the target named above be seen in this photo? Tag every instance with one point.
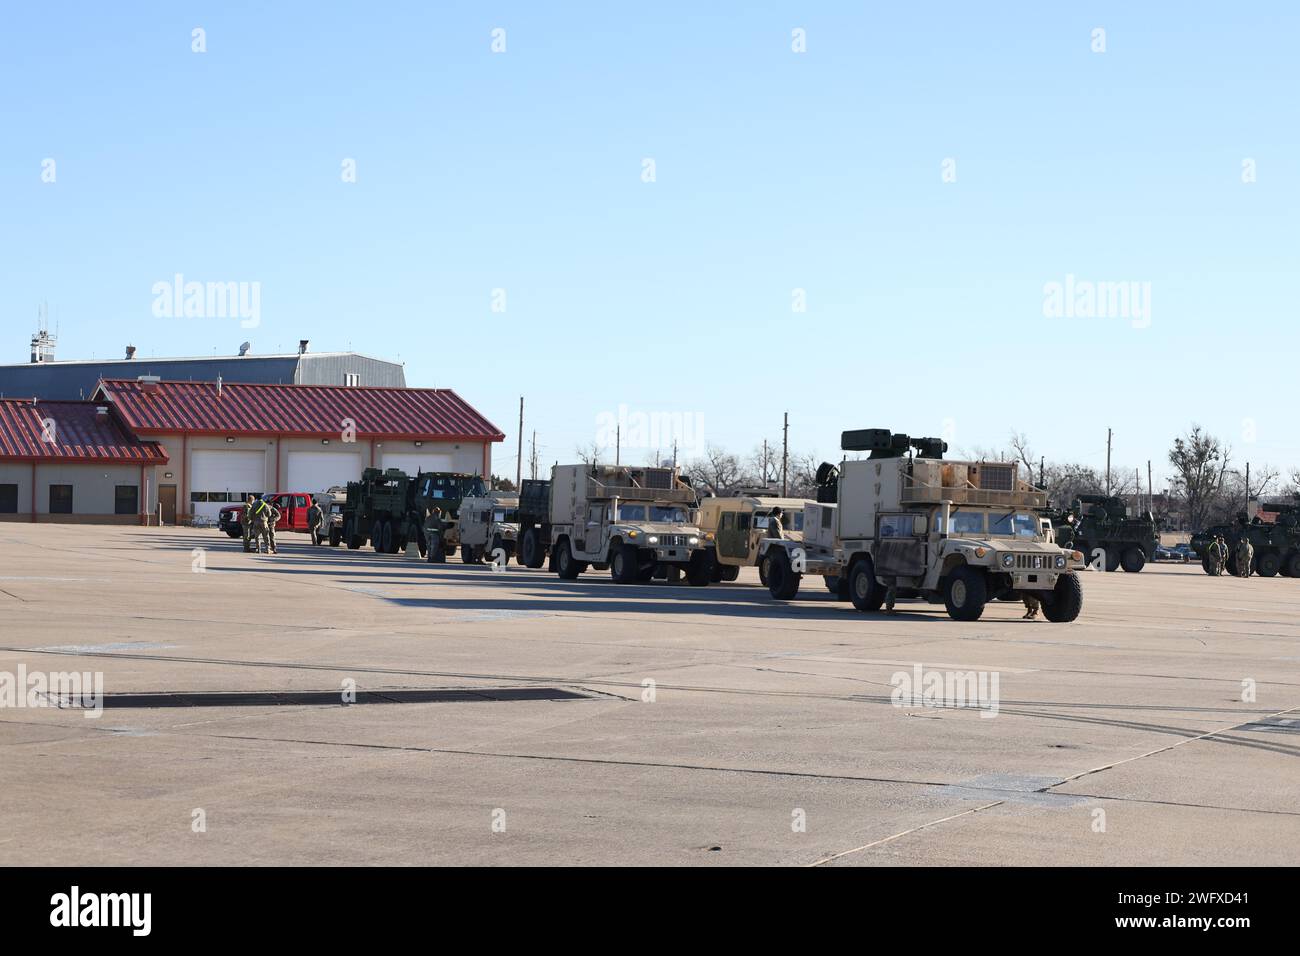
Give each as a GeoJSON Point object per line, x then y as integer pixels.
{"type": "Point", "coordinates": [1060, 560]}
{"type": "Point", "coordinates": [653, 539]}
{"type": "Point", "coordinates": [1008, 560]}
{"type": "Point", "coordinates": [693, 540]}
{"type": "Point", "coordinates": [631, 534]}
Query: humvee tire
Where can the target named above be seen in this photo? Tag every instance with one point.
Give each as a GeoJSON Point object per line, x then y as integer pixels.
{"type": "Point", "coordinates": [1268, 564]}
{"type": "Point", "coordinates": [728, 572]}
{"type": "Point", "coordinates": [864, 590]}
{"type": "Point", "coordinates": [782, 580]}
{"type": "Point", "coordinates": [1066, 601]}
{"type": "Point", "coordinates": [623, 565]}
{"type": "Point", "coordinates": [336, 535]}
{"type": "Point", "coordinates": [565, 565]}
{"type": "Point", "coordinates": [235, 534]}
{"type": "Point", "coordinates": [1132, 559]}
{"type": "Point", "coordinates": [965, 594]}
{"type": "Point", "coordinates": [467, 555]}
{"type": "Point", "coordinates": [763, 565]}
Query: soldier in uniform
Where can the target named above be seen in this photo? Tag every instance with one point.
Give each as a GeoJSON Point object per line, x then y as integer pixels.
{"type": "Point", "coordinates": [1245, 556]}
{"type": "Point", "coordinates": [255, 517]}
{"type": "Point", "coordinates": [774, 529]}
{"type": "Point", "coordinates": [272, 516]}
{"type": "Point", "coordinates": [433, 531]}
{"type": "Point", "coordinates": [315, 518]}
{"type": "Point", "coordinates": [246, 523]}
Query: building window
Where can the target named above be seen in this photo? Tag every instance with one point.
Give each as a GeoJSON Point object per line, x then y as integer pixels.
{"type": "Point", "coordinates": [351, 378]}
{"type": "Point", "coordinates": [60, 499]}
{"type": "Point", "coordinates": [126, 500]}
{"type": "Point", "coordinates": [8, 499]}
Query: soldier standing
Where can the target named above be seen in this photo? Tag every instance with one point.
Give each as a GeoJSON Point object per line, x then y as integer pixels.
{"type": "Point", "coordinates": [272, 516]}
{"type": "Point", "coordinates": [433, 529]}
{"type": "Point", "coordinates": [315, 518]}
{"type": "Point", "coordinates": [255, 516]}
{"type": "Point", "coordinates": [1218, 555]}
{"type": "Point", "coordinates": [774, 524]}
{"type": "Point", "coordinates": [246, 524]}
{"type": "Point", "coordinates": [1245, 556]}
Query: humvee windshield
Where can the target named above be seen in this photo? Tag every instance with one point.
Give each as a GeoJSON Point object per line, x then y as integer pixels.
{"type": "Point", "coordinates": [1014, 525]}
{"type": "Point", "coordinates": [963, 522]}
{"type": "Point", "coordinates": [506, 514]}
{"type": "Point", "coordinates": [631, 512]}
{"type": "Point", "coordinates": [670, 514]}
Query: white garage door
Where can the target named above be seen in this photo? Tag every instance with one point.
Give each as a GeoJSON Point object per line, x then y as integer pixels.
{"type": "Point", "coordinates": [218, 478]}
{"type": "Point", "coordinates": [412, 463]}
{"type": "Point", "coordinates": [313, 471]}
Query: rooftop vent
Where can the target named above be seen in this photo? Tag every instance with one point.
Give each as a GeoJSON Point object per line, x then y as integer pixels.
{"type": "Point", "coordinates": [302, 346]}
{"type": "Point", "coordinates": [243, 349]}
{"type": "Point", "coordinates": [148, 381]}
{"type": "Point", "coordinates": [130, 352]}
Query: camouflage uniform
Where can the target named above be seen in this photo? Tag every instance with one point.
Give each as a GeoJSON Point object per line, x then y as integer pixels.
{"type": "Point", "coordinates": [433, 530]}
{"type": "Point", "coordinates": [268, 531]}
{"type": "Point", "coordinates": [1245, 556]}
{"type": "Point", "coordinates": [1218, 556]}
{"type": "Point", "coordinates": [774, 529]}
{"type": "Point", "coordinates": [315, 518]}
{"type": "Point", "coordinates": [246, 523]}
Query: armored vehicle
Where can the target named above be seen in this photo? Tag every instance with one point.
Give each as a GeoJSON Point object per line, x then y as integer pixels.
{"type": "Point", "coordinates": [733, 528]}
{"type": "Point", "coordinates": [638, 522]}
{"type": "Point", "coordinates": [963, 533]}
{"type": "Point", "coordinates": [488, 524]}
{"type": "Point", "coordinates": [1276, 543]}
{"type": "Point", "coordinates": [389, 508]}
{"type": "Point", "coordinates": [1101, 528]}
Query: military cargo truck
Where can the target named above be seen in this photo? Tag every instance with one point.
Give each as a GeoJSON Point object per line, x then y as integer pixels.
{"type": "Point", "coordinates": [1102, 529]}
{"type": "Point", "coordinates": [637, 522]}
{"type": "Point", "coordinates": [488, 524]}
{"type": "Point", "coordinates": [388, 508]}
{"type": "Point", "coordinates": [734, 526]}
{"type": "Point", "coordinates": [963, 533]}
{"type": "Point", "coordinates": [534, 517]}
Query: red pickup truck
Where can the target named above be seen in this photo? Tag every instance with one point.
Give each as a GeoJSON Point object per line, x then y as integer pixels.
{"type": "Point", "coordinates": [293, 506]}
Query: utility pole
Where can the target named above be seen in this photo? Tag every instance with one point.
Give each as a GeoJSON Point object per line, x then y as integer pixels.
{"type": "Point", "coordinates": [1042, 471]}
{"type": "Point", "coordinates": [533, 456]}
{"type": "Point", "coordinates": [1151, 495]}
{"type": "Point", "coordinates": [519, 456]}
{"type": "Point", "coordinates": [764, 462]}
{"type": "Point", "coordinates": [1247, 488]}
{"type": "Point", "coordinates": [1108, 435]}
{"type": "Point", "coordinates": [618, 442]}
{"type": "Point", "coordinates": [785, 453]}
{"type": "Point", "coordinates": [674, 455]}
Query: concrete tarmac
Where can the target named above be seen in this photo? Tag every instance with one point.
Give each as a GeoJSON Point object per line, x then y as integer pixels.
{"type": "Point", "coordinates": [513, 718]}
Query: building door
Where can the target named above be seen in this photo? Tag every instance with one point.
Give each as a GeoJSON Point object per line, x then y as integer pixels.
{"type": "Point", "coordinates": [167, 501]}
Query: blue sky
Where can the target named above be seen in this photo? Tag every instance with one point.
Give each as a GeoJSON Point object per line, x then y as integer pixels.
{"type": "Point", "coordinates": [774, 171]}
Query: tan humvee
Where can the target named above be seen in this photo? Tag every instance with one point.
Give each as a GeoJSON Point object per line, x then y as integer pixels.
{"type": "Point", "coordinates": [489, 524]}
{"type": "Point", "coordinates": [734, 527]}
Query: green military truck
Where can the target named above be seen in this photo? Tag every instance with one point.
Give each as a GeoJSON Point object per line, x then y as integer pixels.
{"type": "Point", "coordinates": [1276, 543]}
{"type": "Point", "coordinates": [388, 508]}
{"type": "Point", "coordinates": [1101, 527]}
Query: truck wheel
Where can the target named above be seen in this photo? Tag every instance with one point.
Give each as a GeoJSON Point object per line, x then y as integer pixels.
{"type": "Point", "coordinates": [1268, 564]}
{"type": "Point", "coordinates": [764, 563]}
{"type": "Point", "coordinates": [386, 538]}
{"type": "Point", "coordinates": [700, 570]}
{"type": "Point", "coordinates": [728, 572]}
{"type": "Point", "coordinates": [865, 591]}
{"type": "Point", "coordinates": [532, 553]}
{"type": "Point", "coordinates": [1112, 559]}
{"type": "Point", "coordinates": [350, 535]}
{"type": "Point", "coordinates": [623, 566]}
{"type": "Point", "coordinates": [565, 565]}
{"type": "Point", "coordinates": [1066, 601]}
{"type": "Point", "coordinates": [336, 536]}
{"type": "Point", "coordinates": [782, 580]}
{"type": "Point", "coordinates": [1205, 564]}
{"type": "Point", "coordinates": [466, 554]}
{"type": "Point", "coordinates": [235, 534]}
{"type": "Point", "coordinates": [965, 594]}
{"type": "Point", "coordinates": [1293, 565]}
{"type": "Point", "coordinates": [1132, 560]}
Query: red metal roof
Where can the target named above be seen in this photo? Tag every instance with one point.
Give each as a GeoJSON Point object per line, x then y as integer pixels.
{"type": "Point", "coordinates": [424, 414]}
{"type": "Point", "coordinates": [76, 433]}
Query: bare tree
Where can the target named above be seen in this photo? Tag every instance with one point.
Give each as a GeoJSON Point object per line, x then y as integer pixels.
{"type": "Point", "coordinates": [718, 469]}
{"type": "Point", "coordinates": [1200, 463]}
